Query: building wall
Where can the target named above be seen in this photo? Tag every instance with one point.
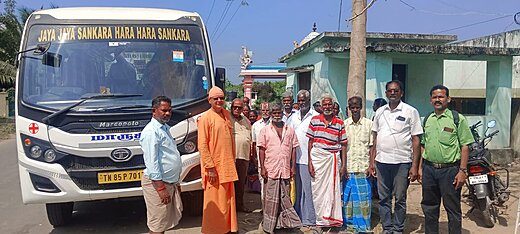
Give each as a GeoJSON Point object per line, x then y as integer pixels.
{"type": "Point", "coordinates": [315, 59]}
{"type": "Point", "coordinates": [509, 39]}
{"type": "Point", "coordinates": [338, 74]}
{"type": "Point", "coordinates": [378, 73]}
{"type": "Point", "coordinates": [422, 74]}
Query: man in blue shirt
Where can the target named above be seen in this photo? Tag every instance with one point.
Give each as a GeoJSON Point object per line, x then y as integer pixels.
{"type": "Point", "coordinates": [163, 168]}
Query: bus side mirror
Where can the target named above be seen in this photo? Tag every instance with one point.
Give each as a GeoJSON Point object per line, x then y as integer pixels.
{"type": "Point", "coordinates": [220, 77]}
{"type": "Point", "coordinates": [51, 59]}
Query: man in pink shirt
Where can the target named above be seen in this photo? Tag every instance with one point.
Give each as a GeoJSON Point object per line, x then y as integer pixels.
{"type": "Point", "coordinates": [277, 143]}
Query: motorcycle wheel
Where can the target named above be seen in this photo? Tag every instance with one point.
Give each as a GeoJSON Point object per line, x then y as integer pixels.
{"type": "Point", "coordinates": [488, 212]}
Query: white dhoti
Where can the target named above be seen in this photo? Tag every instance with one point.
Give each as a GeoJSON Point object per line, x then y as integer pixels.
{"type": "Point", "coordinates": [326, 191]}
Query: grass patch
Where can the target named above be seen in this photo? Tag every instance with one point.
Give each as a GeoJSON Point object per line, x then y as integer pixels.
{"type": "Point", "coordinates": [7, 128]}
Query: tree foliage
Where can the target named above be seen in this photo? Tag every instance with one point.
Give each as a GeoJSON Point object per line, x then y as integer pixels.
{"type": "Point", "coordinates": [11, 28]}
{"type": "Point", "coordinates": [9, 6]}
{"type": "Point", "coordinates": [265, 91]}
{"type": "Point", "coordinates": [269, 91]}
{"type": "Point", "coordinates": [10, 35]}
{"type": "Point", "coordinates": [238, 88]}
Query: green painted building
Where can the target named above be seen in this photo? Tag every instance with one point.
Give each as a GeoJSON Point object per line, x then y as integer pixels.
{"type": "Point", "coordinates": [320, 63]}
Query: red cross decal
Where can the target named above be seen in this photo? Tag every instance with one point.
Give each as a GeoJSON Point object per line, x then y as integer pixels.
{"type": "Point", "coordinates": [33, 128]}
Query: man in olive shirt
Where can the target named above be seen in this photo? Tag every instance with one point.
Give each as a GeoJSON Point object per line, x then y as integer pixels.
{"type": "Point", "coordinates": [242, 135]}
{"type": "Point", "coordinates": [445, 143]}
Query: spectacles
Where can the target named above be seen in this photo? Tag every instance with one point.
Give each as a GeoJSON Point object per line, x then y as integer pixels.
{"type": "Point", "coordinates": [237, 107]}
{"type": "Point", "coordinates": [393, 90]}
{"type": "Point", "coordinates": [218, 98]}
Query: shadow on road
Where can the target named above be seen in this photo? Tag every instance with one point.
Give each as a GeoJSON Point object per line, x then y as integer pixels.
{"type": "Point", "coordinates": [109, 216]}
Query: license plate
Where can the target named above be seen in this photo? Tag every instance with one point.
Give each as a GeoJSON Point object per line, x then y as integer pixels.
{"type": "Point", "coordinates": [481, 179]}
{"type": "Point", "coordinates": [119, 176]}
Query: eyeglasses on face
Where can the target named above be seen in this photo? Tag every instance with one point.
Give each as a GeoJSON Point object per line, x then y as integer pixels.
{"type": "Point", "coordinates": [218, 98]}
{"type": "Point", "coordinates": [237, 107]}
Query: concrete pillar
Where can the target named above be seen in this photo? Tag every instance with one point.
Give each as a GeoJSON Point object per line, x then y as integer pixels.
{"type": "Point", "coordinates": [247, 83]}
{"type": "Point", "coordinates": [498, 100]}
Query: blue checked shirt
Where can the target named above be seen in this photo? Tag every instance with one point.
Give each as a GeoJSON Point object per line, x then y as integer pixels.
{"type": "Point", "coordinates": [161, 157]}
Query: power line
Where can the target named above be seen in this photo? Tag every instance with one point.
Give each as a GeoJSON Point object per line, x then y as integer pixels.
{"type": "Point", "coordinates": [412, 8]}
{"type": "Point", "coordinates": [243, 3]}
{"type": "Point", "coordinates": [210, 11]}
{"type": "Point", "coordinates": [473, 24]}
{"type": "Point", "coordinates": [363, 11]}
{"type": "Point", "coordinates": [223, 16]}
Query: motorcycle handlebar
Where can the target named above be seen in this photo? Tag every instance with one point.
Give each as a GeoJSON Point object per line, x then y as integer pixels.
{"type": "Point", "coordinates": [476, 125]}
{"type": "Point", "coordinates": [493, 133]}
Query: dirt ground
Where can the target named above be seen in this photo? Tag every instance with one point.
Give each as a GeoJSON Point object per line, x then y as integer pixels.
{"type": "Point", "coordinates": [471, 223]}
{"type": "Point", "coordinates": [249, 222]}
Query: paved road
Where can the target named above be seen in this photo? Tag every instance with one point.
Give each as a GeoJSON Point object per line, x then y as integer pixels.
{"type": "Point", "coordinates": [121, 216]}
{"type": "Point", "coordinates": [110, 216]}
{"type": "Point", "coordinates": [129, 215]}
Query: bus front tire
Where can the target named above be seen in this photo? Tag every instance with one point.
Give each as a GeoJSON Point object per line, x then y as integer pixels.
{"type": "Point", "coordinates": [59, 214]}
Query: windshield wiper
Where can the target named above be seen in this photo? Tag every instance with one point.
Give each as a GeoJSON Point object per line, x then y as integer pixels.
{"type": "Point", "coordinates": [47, 119]}
{"type": "Point", "coordinates": [103, 109]}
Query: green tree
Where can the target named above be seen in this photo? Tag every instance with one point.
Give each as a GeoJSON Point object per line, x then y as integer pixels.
{"type": "Point", "coordinates": [269, 91]}
{"type": "Point", "coordinates": [230, 87]}
{"type": "Point", "coordinates": [9, 6]}
{"type": "Point", "coordinates": [11, 28]}
{"type": "Point", "coordinates": [10, 35]}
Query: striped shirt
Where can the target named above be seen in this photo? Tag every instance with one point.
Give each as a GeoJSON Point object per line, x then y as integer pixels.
{"type": "Point", "coordinates": [328, 137]}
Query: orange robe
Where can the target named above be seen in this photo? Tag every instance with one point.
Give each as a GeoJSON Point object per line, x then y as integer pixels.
{"type": "Point", "coordinates": [216, 147]}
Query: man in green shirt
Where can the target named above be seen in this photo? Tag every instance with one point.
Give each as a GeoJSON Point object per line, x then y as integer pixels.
{"type": "Point", "coordinates": [443, 169]}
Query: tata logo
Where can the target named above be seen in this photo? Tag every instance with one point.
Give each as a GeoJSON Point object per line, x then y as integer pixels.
{"type": "Point", "coordinates": [118, 137]}
{"type": "Point", "coordinates": [120, 154]}
{"type": "Point", "coordinates": [120, 124]}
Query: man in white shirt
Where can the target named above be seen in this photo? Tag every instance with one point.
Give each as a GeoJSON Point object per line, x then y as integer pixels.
{"type": "Point", "coordinates": [255, 131]}
{"type": "Point", "coordinates": [300, 121]}
{"type": "Point", "coordinates": [287, 102]}
{"type": "Point", "coordinates": [396, 132]}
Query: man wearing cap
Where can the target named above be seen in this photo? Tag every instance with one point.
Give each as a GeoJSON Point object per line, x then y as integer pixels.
{"type": "Point", "coordinates": [217, 155]}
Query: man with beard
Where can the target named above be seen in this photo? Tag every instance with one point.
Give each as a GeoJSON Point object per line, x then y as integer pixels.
{"type": "Point", "coordinates": [396, 134]}
{"type": "Point", "coordinates": [300, 121]}
{"type": "Point", "coordinates": [255, 131]}
{"type": "Point", "coordinates": [287, 101]}
{"type": "Point", "coordinates": [327, 139]}
{"type": "Point", "coordinates": [163, 168]}
{"type": "Point", "coordinates": [277, 143]}
{"type": "Point", "coordinates": [444, 162]}
{"type": "Point", "coordinates": [242, 137]}
{"type": "Point", "coordinates": [357, 192]}
{"type": "Point", "coordinates": [218, 171]}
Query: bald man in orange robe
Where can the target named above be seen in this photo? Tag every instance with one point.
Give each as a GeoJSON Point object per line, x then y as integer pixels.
{"type": "Point", "coordinates": [217, 155]}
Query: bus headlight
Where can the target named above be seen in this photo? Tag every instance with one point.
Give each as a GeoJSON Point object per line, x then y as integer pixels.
{"type": "Point", "coordinates": [49, 156]}
{"type": "Point", "coordinates": [40, 150]}
{"type": "Point", "coordinates": [36, 151]}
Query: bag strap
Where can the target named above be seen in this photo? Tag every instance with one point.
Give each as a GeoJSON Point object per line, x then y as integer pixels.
{"type": "Point", "coordinates": [426, 119]}
{"type": "Point", "coordinates": [456, 118]}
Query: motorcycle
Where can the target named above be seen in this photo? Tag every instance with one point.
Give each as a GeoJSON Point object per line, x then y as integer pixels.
{"type": "Point", "coordinates": [486, 189]}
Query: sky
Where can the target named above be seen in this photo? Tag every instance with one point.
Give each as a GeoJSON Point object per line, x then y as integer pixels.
{"type": "Point", "coordinates": [269, 27]}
